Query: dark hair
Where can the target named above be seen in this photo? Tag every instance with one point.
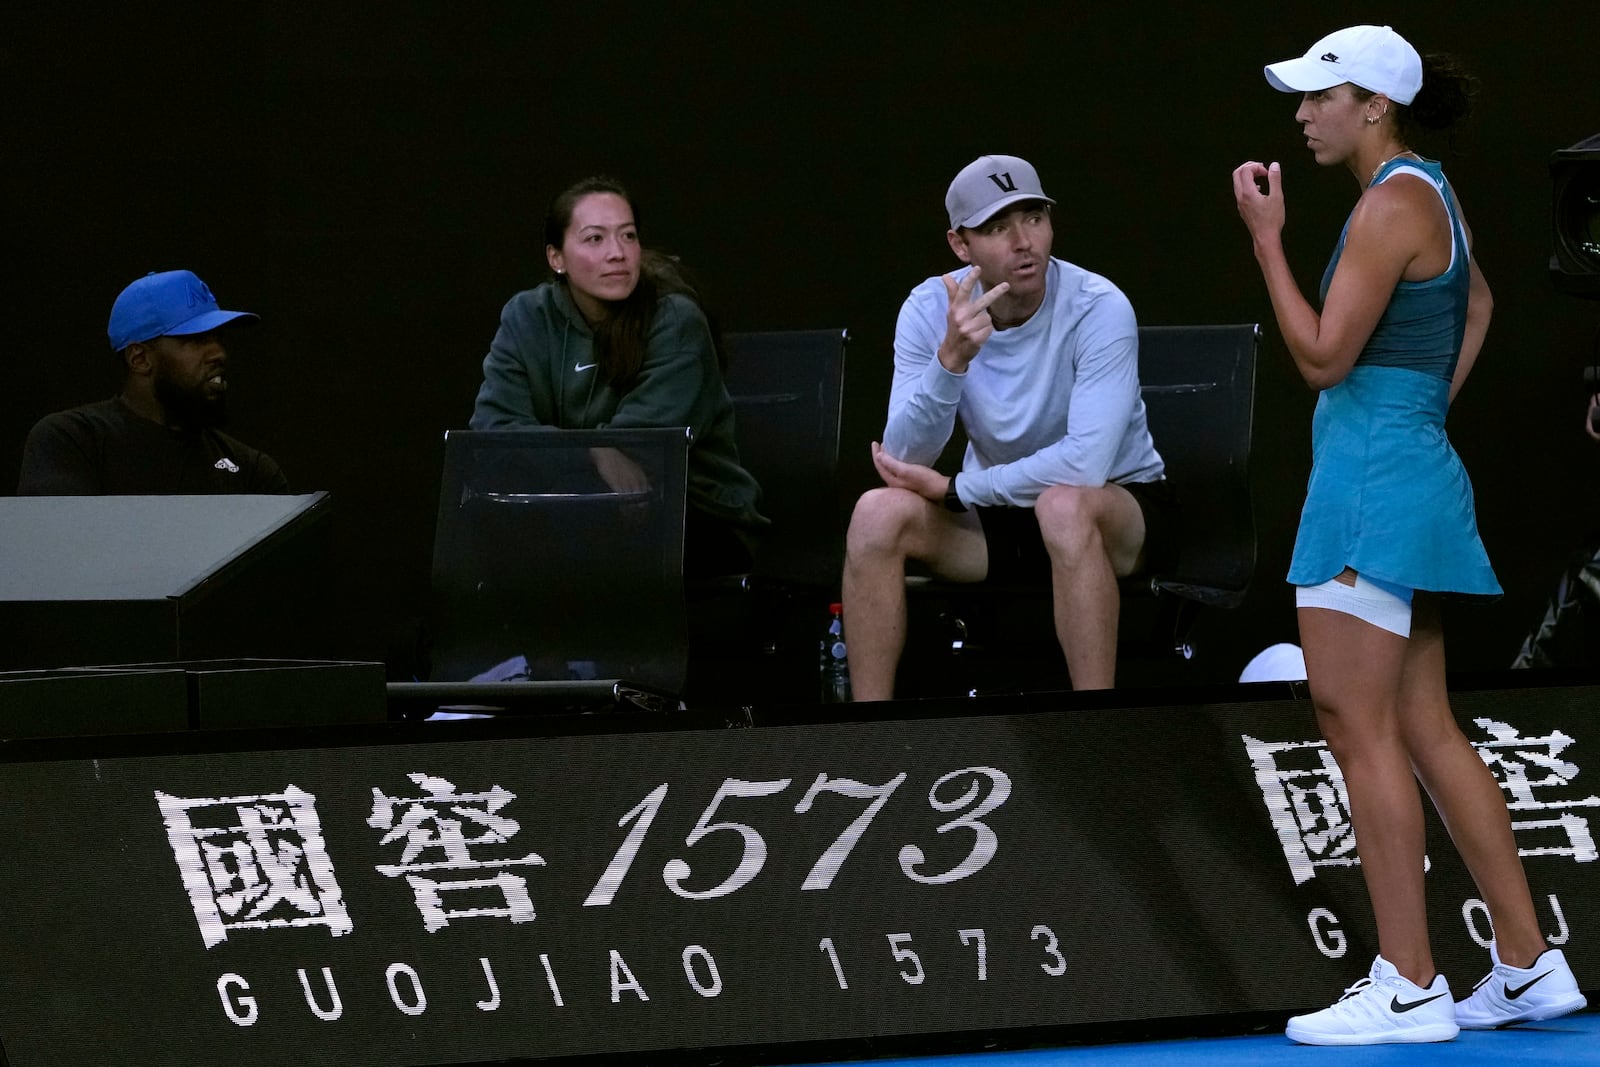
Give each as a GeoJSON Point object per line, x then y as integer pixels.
{"type": "Point", "coordinates": [619, 338]}
{"type": "Point", "coordinates": [1444, 99]}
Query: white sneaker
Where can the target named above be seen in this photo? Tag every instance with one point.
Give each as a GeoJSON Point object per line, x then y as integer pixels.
{"type": "Point", "coordinates": [1510, 995]}
{"type": "Point", "coordinates": [1382, 1008]}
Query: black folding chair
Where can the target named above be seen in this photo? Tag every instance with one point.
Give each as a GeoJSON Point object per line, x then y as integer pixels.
{"type": "Point", "coordinates": [787, 388]}
{"type": "Point", "coordinates": [558, 562]}
{"type": "Point", "coordinates": [756, 637]}
{"type": "Point", "coordinates": [1198, 385]}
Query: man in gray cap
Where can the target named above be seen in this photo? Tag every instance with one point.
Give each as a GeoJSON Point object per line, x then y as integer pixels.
{"type": "Point", "coordinates": [159, 435]}
{"type": "Point", "coordinates": [1038, 359]}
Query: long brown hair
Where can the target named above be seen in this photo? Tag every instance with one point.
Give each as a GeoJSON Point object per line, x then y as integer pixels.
{"type": "Point", "coordinates": [620, 337]}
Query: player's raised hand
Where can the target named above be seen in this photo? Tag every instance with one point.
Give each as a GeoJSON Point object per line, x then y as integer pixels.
{"type": "Point", "coordinates": [967, 322]}
{"type": "Point", "coordinates": [1258, 193]}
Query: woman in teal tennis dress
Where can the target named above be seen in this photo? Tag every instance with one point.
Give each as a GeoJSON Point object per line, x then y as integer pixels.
{"type": "Point", "coordinates": [1388, 525]}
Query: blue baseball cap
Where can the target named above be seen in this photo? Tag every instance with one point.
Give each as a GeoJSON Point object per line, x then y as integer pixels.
{"type": "Point", "coordinates": [172, 303]}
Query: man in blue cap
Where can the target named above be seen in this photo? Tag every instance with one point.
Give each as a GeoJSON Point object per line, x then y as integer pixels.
{"type": "Point", "coordinates": [159, 435]}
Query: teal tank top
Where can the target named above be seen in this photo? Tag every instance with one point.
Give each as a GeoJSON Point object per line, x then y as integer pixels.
{"type": "Point", "coordinates": [1423, 325]}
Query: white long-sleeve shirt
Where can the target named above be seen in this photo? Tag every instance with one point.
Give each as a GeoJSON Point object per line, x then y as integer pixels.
{"type": "Point", "coordinates": [1054, 401]}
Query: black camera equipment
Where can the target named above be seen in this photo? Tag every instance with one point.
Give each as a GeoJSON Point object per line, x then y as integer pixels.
{"type": "Point", "coordinates": [1568, 634]}
{"type": "Point", "coordinates": [1591, 383]}
{"type": "Point", "coordinates": [1575, 219]}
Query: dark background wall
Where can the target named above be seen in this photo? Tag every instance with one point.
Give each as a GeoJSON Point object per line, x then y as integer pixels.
{"type": "Point", "coordinates": [371, 179]}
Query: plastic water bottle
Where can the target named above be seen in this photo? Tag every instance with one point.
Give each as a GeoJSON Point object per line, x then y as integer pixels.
{"type": "Point", "coordinates": [833, 667]}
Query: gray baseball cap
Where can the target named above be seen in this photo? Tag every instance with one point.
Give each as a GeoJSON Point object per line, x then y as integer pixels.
{"type": "Point", "coordinates": [989, 184]}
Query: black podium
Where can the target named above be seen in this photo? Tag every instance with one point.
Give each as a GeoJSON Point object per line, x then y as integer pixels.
{"type": "Point", "coordinates": [130, 579]}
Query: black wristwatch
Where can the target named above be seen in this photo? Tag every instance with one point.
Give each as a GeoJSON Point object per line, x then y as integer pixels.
{"type": "Point", "coordinates": [952, 499]}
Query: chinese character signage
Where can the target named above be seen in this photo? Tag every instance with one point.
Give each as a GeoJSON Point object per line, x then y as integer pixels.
{"type": "Point", "coordinates": [253, 862]}
{"type": "Point", "coordinates": [436, 895]}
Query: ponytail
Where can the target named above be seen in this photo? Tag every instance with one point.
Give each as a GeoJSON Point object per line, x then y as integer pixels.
{"type": "Point", "coordinates": [1445, 97]}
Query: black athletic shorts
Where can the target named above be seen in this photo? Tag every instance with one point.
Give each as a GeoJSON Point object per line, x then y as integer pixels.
{"type": "Point", "coordinates": [1017, 552]}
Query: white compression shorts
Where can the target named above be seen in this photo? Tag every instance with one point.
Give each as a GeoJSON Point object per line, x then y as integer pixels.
{"type": "Point", "coordinates": [1385, 606]}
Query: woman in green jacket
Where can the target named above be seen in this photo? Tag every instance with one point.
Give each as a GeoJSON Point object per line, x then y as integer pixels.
{"type": "Point", "coordinates": [617, 339]}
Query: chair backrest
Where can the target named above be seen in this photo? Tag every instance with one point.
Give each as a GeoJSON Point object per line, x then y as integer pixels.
{"type": "Point", "coordinates": [558, 554]}
{"type": "Point", "coordinates": [1198, 384]}
{"type": "Point", "coordinates": [787, 389]}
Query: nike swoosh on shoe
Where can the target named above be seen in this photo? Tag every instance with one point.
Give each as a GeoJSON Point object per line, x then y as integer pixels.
{"type": "Point", "coordinates": [1400, 1008]}
{"type": "Point", "coordinates": [1513, 994]}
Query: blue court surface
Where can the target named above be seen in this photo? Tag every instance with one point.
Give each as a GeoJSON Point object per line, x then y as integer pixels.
{"type": "Point", "coordinates": [1573, 1040]}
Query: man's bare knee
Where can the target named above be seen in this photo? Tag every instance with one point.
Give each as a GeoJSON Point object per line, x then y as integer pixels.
{"type": "Point", "coordinates": [881, 522]}
{"type": "Point", "coordinates": [1083, 522]}
{"type": "Point", "coordinates": [1068, 517]}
